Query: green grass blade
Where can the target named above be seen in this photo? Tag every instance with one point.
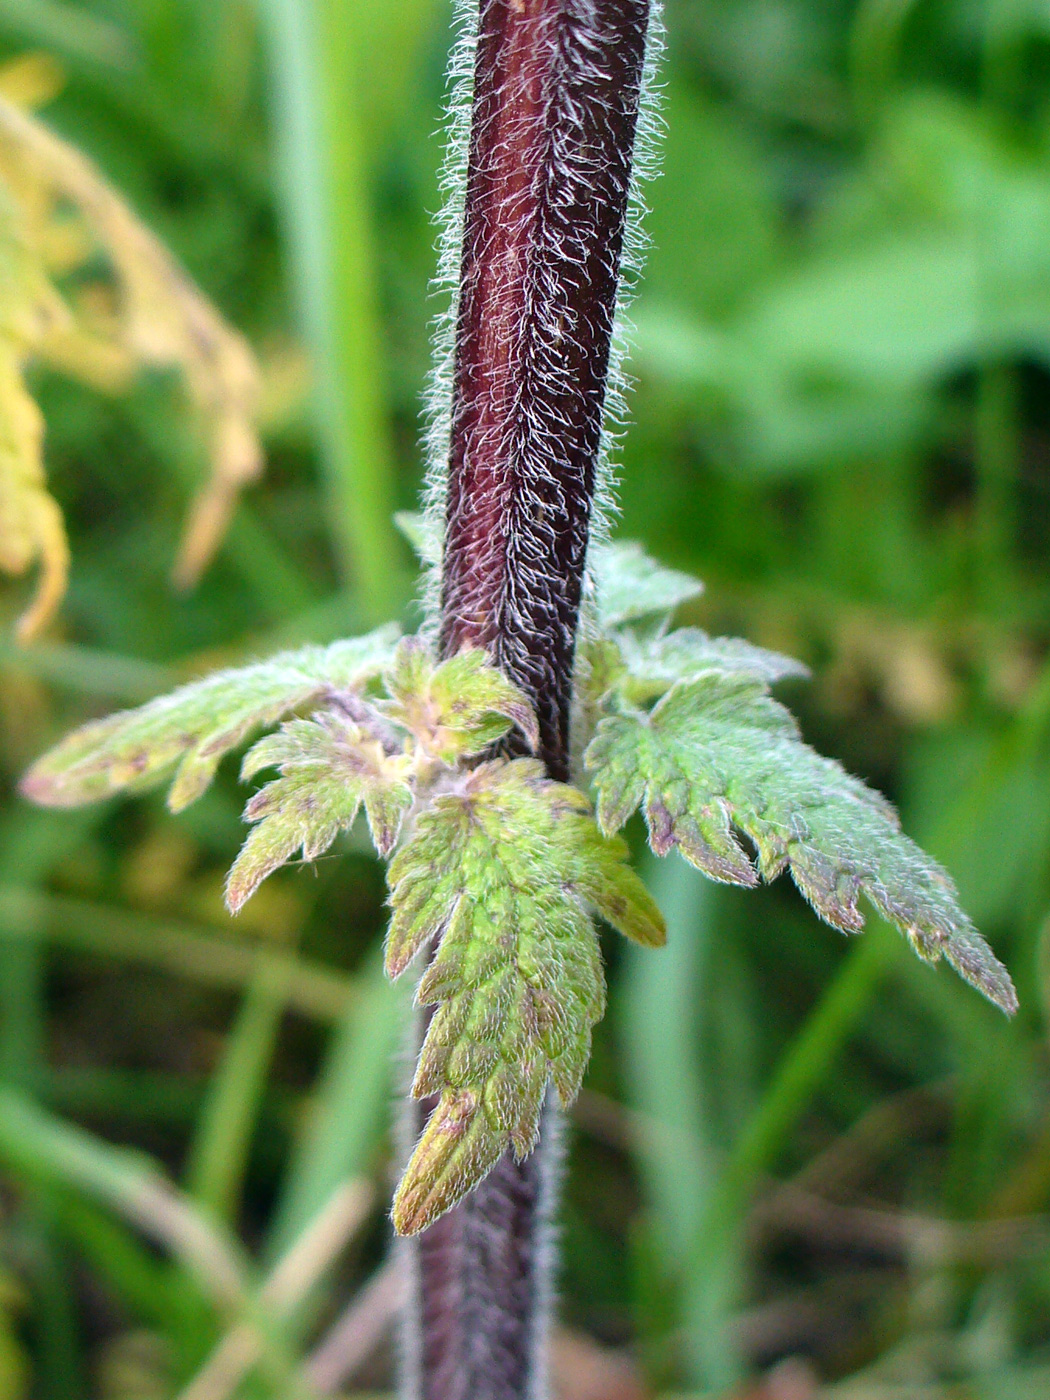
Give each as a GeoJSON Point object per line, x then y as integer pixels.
{"type": "Point", "coordinates": [29, 916]}
{"type": "Point", "coordinates": [31, 845]}
{"type": "Point", "coordinates": [351, 1104]}
{"type": "Point", "coordinates": [219, 1155]}
{"type": "Point", "coordinates": [662, 1025]}
{"type": "Point", "coordinates": [664, 1003]}
{"type": "Point", "coordinates": [60, 1366]}
{"type": "Point", "coordinates": [327, 208]}
{"type": "Point", "coordinates": [41, 1148]}
{"type": "Point", "coordinates": [799, 1074]}
{"type": "Point", "coordinates": [137, 1277]}
{"type": "Point", "coordinates": [128, 1099]}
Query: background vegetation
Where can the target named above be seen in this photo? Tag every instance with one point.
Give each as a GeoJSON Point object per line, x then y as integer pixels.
{"type": "Point", "coordinates": [817, 1164]}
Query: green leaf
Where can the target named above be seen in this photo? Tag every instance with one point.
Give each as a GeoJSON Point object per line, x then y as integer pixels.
{"type": "Point", "coordinates": [329, 766]}
{"type": "Point", "coordinates": [718, 753]}
{"type": "Point", "coordinates": [421, 533]}
{"type": "Point", "coordinates": [649, 666]}
{"type": "Point", "coordinates": [503, 873]}
{"type": "Point", "coordinates": [629, 586]}
{"type": "Point", "coordinates": [190, 730]}
{"type": "Point", "coordinates": [457, 708]}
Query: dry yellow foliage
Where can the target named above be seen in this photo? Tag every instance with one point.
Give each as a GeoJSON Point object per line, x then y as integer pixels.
{"type": "Point", "coordinates": [56, 213]}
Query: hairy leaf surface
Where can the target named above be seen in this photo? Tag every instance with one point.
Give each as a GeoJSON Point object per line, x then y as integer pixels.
{"type": "Point", "coordinates": [191, 729]}
{"type": "Point", "coordinates": [630, 586]}
{"type": "Point", "coordinates": [504, 874]}
{"type": "Point", "coordinates": [329, 767]}
{"type": "Point", "coordinates": [641, 668]}
{"type": "Point", "coordinates": [457, 708]}
{"type": "Point", "coordinates": [717, 755]}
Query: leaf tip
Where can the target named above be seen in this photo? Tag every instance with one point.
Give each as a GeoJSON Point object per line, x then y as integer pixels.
{"type": "Point", "coordinates": [37, 787]}
{"type": "Point", "coordinates": [974, 961]}
{"type": "Point", "coordinates": [241, 884]}
{"type": "Point", "coordinates": [457, 1150]}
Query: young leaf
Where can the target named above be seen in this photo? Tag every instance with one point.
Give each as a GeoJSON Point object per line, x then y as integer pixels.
{"type": "Point", "coordinates": [648, 666]}
{"type": "Point", "coordinates": [629, 586]}
{"type": "Point", "coordinates": [718, 752]}
{"type": "Point", "coordinates": [329, 766]}
{"type": "Point", "coordinates": [190, 730]}
{"type": "Point", "coordinates": [457, 708]}
{"type": "Point", "coordinates": [503, 873]}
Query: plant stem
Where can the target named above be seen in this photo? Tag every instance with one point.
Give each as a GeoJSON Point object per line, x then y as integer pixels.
{"type": "Point", "coordinates": [556, 92]}
{"type": "Point", "coordinates": [555, 106]}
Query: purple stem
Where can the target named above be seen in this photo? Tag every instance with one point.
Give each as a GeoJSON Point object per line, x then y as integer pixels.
{"type": "Point", "coordinates": [556, 92]}
{"type": "Point", "coordinates": [556, 95]}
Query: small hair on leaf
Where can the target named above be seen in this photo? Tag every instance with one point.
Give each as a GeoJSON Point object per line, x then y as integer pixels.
{"type": "Point", "coordinates": [629, 586]}
{"type": "Point", "coordinates": [504, 874]}
{"type": "Point", "coordinates": [420, 532]}
{"type": "Point", "coordinates": [189, 731]}
{"type": "Point", "coordinates": [330, 767]}
{"type": "Point", "coordinates": [642, 668]}
{"type": "Point", "coordinates": [718, 755]}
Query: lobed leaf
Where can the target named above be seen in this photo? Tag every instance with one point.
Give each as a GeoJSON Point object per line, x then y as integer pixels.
{"type": "Point", "coordinates": [719, 755]}
{"type": "Point", "coordinates": [642, 668]}
{"type": "Point", "coordinates": [329, 767]}
{"type": "Point", "coordinates": [503, 874]}
{"type": "Point", "coordinates": [630, 586]}
{"type": "Point", "coordinates": [189, 731]}
{"type": "Point", "coordinates": [457, 708]}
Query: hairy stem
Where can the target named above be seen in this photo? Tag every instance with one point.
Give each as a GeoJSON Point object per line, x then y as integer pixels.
{"type": "Point", "coordinates": [556, 93]}
{"type": "Point", "coordinates": [555, 108]}
{"type": "Point", "coordinates": [481, 1280]}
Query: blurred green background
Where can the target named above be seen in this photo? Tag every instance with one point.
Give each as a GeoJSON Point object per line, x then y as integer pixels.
{"type": "Point", "coordinates": [800, 1167]}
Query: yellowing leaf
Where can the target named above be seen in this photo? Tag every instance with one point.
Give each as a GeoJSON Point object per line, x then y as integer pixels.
{"type": "Point", "coordinates": [32, 79]}
{"type": "Point", "coordinates": [57, 214]}
{"type": "Point", "coordinates": [31, 526]}
{"type": "Point", "coordinates": [718, 754]}
{"type": "Point", "coordinates": [504, 874]}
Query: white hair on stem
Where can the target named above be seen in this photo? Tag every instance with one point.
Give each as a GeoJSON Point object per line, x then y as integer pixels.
{"type": "Point", "coordinates": [446, 284]}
